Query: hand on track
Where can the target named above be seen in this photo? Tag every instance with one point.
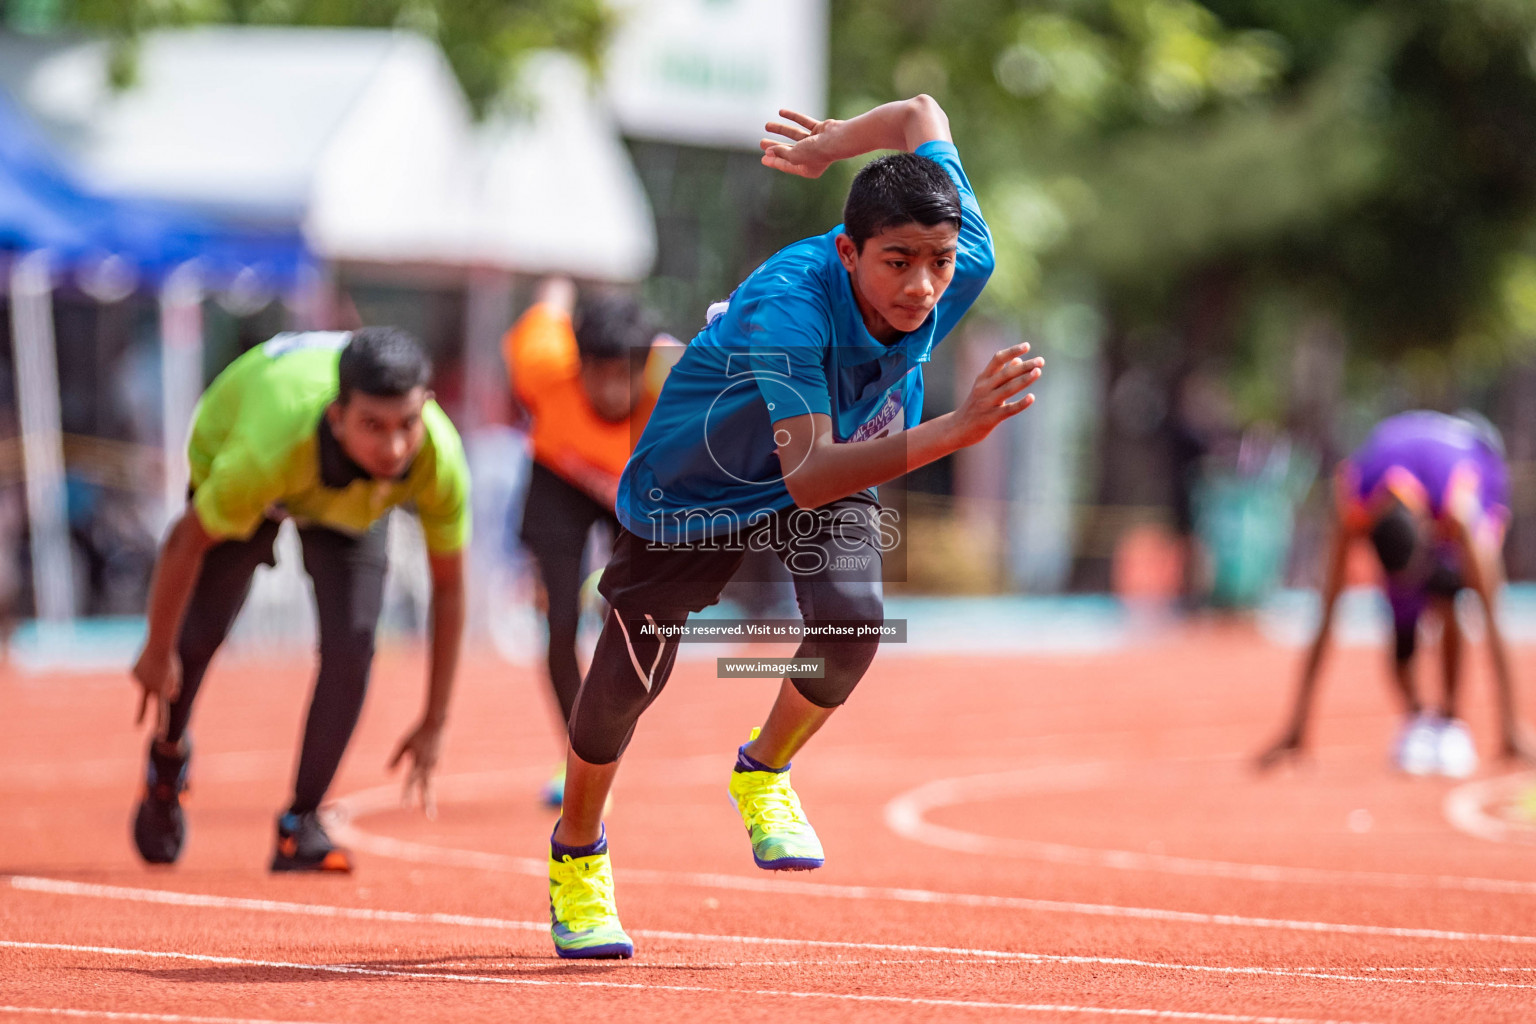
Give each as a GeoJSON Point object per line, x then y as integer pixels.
{"type": "Point", "coordinates": [158, 674]}
{"type": "Point", "coordinates": [423, 744]}
{"type": "Point", "coordinates": [1289, 747]}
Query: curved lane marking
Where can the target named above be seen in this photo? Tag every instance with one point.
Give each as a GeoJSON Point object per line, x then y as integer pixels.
{"type": "Point", "coordinates": [906, 815]}
{"type": "Point", "coordinates": [1466, 808]}
{"type": "Point", "coordinates": [345, 813]}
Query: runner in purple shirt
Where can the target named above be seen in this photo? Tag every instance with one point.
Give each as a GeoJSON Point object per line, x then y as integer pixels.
{"type": "Point", "coordinates": [1431, 492]}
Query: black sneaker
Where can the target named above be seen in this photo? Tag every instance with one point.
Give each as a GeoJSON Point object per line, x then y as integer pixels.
{"type": "Point", "coordinates": [302, 845]}
{"type": "Point", "coordinates": [159, 828]}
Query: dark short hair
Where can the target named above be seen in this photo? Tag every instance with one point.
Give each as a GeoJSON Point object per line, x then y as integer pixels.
{"type": "Point", "coordinates": [1395, 535]}
{"type": "Point", "coordinates": [382, 361]}
{"type": "Point", "coordinates": [899, 189]}
{"type": "Point", "coordinates": [611, 325]}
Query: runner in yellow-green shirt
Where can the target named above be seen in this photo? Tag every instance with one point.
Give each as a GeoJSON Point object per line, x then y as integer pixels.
{"type": "Point", "coordinates": [331, 429]}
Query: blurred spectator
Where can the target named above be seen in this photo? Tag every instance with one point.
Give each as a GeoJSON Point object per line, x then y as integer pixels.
{"type": "Point", "coordinates": [116, 552]}
{"type": "Point", "coordinates": [1200, 420]}
{"type": "Point", "coordinates": [1431, 493]}
{"type": "Point", "coordinates": [586, 379]}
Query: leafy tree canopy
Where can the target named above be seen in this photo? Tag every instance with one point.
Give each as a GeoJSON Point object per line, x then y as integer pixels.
{"type": "Point", "coordinates": [1372, 158]}
{"type": "Point", "coordinates": [1375, 159]}
{"type": "Point", "coordinates": [483, 39]}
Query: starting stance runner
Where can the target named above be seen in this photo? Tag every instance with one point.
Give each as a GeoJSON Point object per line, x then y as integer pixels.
{"type": "Point", "coordinates": [333, 429]}
{"type": "Point", "coordinates": [1431, 492]}
{"type": "Point", "coordinates": [587, 388]}
{"type": "Point", "coordinates": [802, 394]}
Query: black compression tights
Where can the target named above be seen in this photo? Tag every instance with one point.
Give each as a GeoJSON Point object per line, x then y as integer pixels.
{"type": "Point", "coordinates": [348, 574]}
{"type": "Point", "coordinates": [634, 658]}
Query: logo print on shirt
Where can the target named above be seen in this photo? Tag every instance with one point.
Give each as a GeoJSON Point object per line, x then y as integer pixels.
{"type": "Point", "coordinates": [888, 419]}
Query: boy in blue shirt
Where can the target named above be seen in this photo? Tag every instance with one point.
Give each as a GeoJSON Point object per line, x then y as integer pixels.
{"type": "Point", "coordinates": [803, 392]}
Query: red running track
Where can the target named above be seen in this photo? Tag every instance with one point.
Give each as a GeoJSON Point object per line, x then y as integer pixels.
{"type": "Point", "coordinates": [1027, 838]}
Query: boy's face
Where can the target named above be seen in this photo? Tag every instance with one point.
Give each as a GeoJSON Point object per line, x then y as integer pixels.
{"type": "Point", "coordinates": [611, 385]}
{"type": "Point", "coordinates": [380, 434]}
{"type": "Point", "coordinates": [900, 274]}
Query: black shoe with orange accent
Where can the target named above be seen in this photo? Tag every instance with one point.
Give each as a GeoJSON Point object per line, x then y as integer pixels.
{"type": "Point", "coordinates": [159, 828]}
{"type": "Point", "coordinates": [302, 845]}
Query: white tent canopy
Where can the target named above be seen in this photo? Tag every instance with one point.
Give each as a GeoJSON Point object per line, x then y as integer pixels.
{"type": "Point", "coordinates": [365, 138]}
{"type": "Point", "coordinates": [557, 189]}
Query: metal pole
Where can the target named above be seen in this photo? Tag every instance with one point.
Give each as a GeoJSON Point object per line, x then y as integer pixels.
{"type": "Point", "coordinates": [42, 438]}
{"type": "Point", "coordinates": [181, 376]}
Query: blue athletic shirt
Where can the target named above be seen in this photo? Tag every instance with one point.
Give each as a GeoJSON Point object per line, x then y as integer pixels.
{"type": "Point", "coordinates": [790, 342]}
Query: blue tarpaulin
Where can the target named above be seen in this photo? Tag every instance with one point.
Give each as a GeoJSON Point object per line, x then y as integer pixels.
{"type": "Point", "coordinates": [43, 207]}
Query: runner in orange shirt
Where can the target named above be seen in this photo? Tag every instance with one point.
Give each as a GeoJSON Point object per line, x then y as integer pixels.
{"type": "Point", "coordinates": [588, 385]}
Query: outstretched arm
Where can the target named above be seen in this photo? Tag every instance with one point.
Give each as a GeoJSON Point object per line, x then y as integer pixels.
{"type": "Point", "coordinates": [818, 470]}
{"type": "Point", "coordinates": [814, 145]}
{"type": "Point", "coordinates": [558, 291]}
{"type": "Point", "coordinates": [1294, 737]}
{"type": "Point", "coordinates": [157, 669]}
{"type": "Point", "coordinates": [424, 742]}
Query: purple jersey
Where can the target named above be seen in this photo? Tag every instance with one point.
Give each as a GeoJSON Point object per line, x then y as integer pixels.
{"type": "Point", "coordinates": [1432, 462]}
{"type": "Point", "coordinates": [1422, 456]}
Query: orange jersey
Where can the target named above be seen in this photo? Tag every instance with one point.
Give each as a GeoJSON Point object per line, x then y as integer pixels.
{"type": "Point", "coordinates": [569, 437]}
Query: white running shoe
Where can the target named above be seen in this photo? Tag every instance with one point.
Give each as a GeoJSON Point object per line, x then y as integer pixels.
{"type": "Point", "coordinates": [1454, 751]}
{"type": "Point", "coordinates": [1417, 750]}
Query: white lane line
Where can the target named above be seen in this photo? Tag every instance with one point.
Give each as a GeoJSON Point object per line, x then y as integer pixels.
{"type": "Point", "coordinates": [906, 815]}
{"type": "Point", "coordinates": [442, 856]}
{"type": "Point", "coordinates": [1446, 967]}
{"type": "Point", "coordinates": [93, 890]}
{"type": "Point", "coordinates": [689, 965]}
{"type": "Point", "coordinates": [1466, 808]}
{"type": "Point", "coordinates": [166, 1018]}
{"type": "Point", "coordinates": [481, 979]}
{"type": "Point", "coordinates": [849, 962]}
{"type": "Point", "coordinates": [1328, 974]}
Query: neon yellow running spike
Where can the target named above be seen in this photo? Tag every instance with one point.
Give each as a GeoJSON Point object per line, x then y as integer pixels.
{"type": "Point", "coordinates": [583, 917]}
{"type": "Point", "coordinates": [782, 838]}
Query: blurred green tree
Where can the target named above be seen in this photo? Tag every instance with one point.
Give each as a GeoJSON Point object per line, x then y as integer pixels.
{"type": "Point", "coordinates": [482, 39]}
{"type": "Point", "coordinates": [1327, 203]}
{"type": "Point", "coordinates": [1217, 173]}
{"type": "Point", "coordinates": [1380, 156]}
{"type": "Point", "coordinates": [1304, 198]}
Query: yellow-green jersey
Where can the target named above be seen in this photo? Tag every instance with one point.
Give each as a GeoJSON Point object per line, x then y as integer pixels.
{"type": "Point", "coordinates": [260, 441]}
